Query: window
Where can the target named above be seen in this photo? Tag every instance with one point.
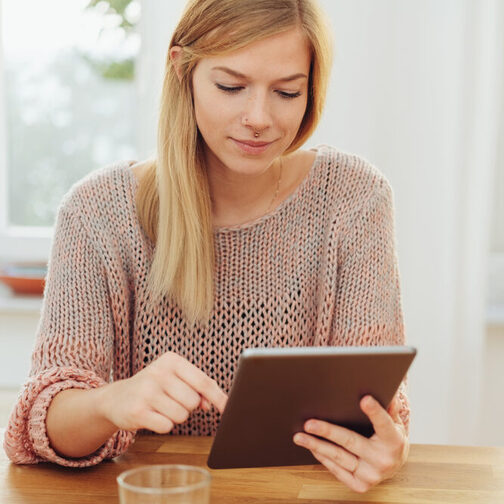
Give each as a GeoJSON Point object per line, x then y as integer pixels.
{"type": "Point", "coordinates": [68, 106]}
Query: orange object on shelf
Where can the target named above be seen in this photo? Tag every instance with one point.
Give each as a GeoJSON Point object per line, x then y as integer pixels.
{"type": "Point", "coordinates": [24, 278]}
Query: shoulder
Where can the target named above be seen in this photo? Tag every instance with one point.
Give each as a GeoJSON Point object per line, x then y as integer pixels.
{"type": "Point", "coordinates": [101, 191]}
{"type": "Point", "coordinates": [349, 169]}
{"type": "Point", "coordinates": [103, 204]}
{"type": "Point", "coordinates": [351, 181]}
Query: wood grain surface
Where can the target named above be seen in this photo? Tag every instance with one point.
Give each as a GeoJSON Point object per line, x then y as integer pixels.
{"type": "Point", "coordinates": [433, 474]}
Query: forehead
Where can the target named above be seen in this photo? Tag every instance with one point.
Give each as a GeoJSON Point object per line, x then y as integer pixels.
{"type": "Point", "coordinates": [277, 56]}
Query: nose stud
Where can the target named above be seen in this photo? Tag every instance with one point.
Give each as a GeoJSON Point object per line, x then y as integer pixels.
{"type": "Point", "coordinates": [256, 133]}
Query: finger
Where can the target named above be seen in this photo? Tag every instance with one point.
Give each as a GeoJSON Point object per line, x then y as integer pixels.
{"type": "Point", "coordinates": [156, 422]}
{"type": "Point", "coordinates": [178, 390]}
{"type": "Point", "coordinates": [327, 449]}
{"type": "Point", "coordinates": [342, 474]}
{"type": "Point", "coordinates": [382, 422]}
{"type": "Point", "coordinates": [393, 410]}
{"type": "Point", "coordinates": [200, 382]}
{"type": "Point", "coordinates": [205, 404]}
{"type": "Point", "coordinates": [392, 406]}
{"type": "Point", "coordinates": [350, 440]}
{"type": "Point", "coordinates": [169, 408]}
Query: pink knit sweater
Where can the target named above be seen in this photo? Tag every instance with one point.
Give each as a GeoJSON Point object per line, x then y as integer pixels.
{"type": "Point", "coordinates": [321, 269]}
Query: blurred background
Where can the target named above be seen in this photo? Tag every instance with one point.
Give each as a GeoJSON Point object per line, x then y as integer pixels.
{"type": "Point", "coordinates": [417, 89]}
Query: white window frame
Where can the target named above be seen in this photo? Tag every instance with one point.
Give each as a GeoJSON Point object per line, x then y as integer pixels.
{"type": "Point", "coordinates": [16, 243]}
{"type": "Point", "coordinates": [19, 243]}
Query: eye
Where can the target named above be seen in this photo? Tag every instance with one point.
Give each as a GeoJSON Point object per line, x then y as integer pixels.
{"type": "Point", "coordinates": [236, 89]}
{"type": "Point", "coordinates": [289, 96]}
{"type": "Point", "coordinates": [229, 89]}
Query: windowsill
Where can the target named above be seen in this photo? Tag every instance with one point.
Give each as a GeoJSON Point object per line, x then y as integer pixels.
{"type": "Point", "coordinates": [12, 303]}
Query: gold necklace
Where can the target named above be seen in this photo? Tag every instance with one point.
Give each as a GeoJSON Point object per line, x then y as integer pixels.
{"type": "Point", "coordinates": [277, 187]}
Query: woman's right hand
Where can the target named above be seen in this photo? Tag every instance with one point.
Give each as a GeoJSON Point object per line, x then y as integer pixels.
{"type": "Point", "coordinates": [159, 396]}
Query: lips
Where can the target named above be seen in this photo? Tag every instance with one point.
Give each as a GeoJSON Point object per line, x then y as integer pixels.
{"type": "Point", "coordinates": [251, 146]}
{"type": "Point", "coordinates": [252, 143]}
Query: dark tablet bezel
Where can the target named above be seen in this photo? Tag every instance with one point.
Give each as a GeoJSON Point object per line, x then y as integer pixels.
{"type": "Point", "coordinates": [277, 389]}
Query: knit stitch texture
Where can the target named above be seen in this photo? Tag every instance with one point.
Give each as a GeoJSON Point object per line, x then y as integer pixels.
{"type": "Point", "coordinates": [320, 269]}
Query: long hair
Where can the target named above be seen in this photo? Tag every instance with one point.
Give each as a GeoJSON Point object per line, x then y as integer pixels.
{"type": "Point", "coordinates": [173, 197]}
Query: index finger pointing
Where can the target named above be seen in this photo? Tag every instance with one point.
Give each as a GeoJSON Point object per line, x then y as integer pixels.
{"type": "Point", "coordinates": [202, 383]}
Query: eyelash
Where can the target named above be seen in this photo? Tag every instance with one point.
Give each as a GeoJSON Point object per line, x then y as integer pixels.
{"type": "Point", "coordinates": [283, 94]}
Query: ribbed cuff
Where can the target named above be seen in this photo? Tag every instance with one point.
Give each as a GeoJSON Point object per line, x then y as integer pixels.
{"type": "Point", "coordinates": [26, 440]}
{"type": "Point", "coordinates": [38, 433]}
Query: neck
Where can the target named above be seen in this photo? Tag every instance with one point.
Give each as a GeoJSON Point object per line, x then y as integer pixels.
{"type": "Point", "coordinates": [238, 198]}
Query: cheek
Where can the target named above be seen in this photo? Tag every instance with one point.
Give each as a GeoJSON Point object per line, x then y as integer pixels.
{"type": "Point", "coordinates": [203, 113]}
{"type": "Point", "coordinates": [292, 115]}
{"type": "Point", "coordinates": [213, 115]}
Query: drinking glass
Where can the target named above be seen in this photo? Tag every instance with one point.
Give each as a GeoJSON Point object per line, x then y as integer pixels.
{"type": "Point", "coordinates": [164, 484]}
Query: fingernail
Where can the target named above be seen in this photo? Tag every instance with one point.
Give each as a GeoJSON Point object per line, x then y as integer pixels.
{"type": "Point", "coordinates": [369, 401]}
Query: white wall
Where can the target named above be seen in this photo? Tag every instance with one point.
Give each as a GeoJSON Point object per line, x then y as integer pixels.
{"type": "Point", "coordinates": [17, 337]}
{"type": "Point", "coordinates": [386, 105]}
{"type": "Point", "coordinates": [157, 23]}
{"type": "Point", "coordinates": [410, 89]}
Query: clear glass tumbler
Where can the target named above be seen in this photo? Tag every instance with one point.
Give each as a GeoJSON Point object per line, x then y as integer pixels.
{"type": "Point", "coordinates": [164, 484]}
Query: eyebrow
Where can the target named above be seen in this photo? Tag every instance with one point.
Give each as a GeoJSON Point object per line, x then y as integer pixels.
{"type": "Point", "coordinates": [234, 73]}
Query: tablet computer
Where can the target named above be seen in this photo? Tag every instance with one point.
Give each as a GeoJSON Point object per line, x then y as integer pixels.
{"type": "Point", "coordinates": [277, 389]}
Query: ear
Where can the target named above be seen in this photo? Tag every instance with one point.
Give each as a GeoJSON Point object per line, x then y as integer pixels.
{"type": "Point", "coordinates": [175, 54]}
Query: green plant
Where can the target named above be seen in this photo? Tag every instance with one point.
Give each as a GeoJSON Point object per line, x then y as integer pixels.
{"type": "Point", "coordinates": [117, 69]}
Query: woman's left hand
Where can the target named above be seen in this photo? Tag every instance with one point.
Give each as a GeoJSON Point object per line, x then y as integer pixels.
{"type": "Point", "coordinates": [357, 461]}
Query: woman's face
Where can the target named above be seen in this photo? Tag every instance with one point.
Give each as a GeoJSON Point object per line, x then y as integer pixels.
{"type": "Point", "coordinates": [260, 88]}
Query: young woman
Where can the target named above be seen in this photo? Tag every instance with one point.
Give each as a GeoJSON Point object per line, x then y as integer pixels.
{"type": "Point", "coordinates": [162, 271]}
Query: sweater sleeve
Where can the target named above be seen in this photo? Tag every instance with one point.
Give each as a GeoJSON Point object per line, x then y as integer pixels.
{"type": "Point", "coordinates": [74, 345]}
{"type": "Point", "coordinates": [368, 301]}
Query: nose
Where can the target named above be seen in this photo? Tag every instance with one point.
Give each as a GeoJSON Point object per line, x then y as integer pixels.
{"type": "Point", "coordinates": [256, 115]}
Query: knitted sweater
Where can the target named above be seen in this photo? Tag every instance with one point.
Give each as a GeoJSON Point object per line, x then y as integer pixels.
{"type": "Point", "coordinates": [320, 269]}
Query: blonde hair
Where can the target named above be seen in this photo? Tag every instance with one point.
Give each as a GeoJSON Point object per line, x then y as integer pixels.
{"type": "Point", "coordinates": [173, 197]}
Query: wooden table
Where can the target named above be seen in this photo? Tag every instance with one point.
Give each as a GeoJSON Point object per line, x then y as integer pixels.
{"type": "Point", "coordinates": [433, 474]}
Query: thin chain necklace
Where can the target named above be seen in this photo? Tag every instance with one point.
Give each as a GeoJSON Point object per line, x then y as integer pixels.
{"type": "Point", "coordinates": [277, 187]}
